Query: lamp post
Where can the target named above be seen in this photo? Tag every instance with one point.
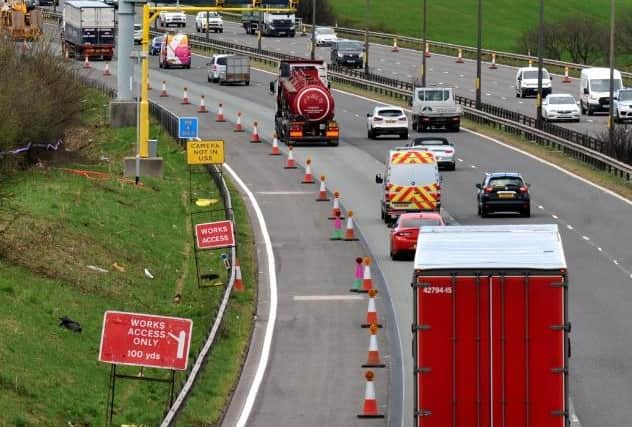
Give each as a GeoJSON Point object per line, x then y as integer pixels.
{"type": "Point", "coordinates": [611, 60]}
{"type": "Point", "coordinates": [424, 43]}
{"type": "Point", "coordinates": [540, 66]}
{"type": "Point", "coordinates": [366, 38]}
{"type": "Point", "coordinates": [479, 36]}
{"type": "Point", "coordinates": [313, 51]}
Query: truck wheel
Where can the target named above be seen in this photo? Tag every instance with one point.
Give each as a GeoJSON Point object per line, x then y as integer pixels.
{"type": "Point", "coordinates": [247, 82]}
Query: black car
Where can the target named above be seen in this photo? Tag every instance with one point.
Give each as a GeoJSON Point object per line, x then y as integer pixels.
{"type": "Point", "coordinates": [503, 192]}
{"type": "Point", "coordinates": [348, 53]}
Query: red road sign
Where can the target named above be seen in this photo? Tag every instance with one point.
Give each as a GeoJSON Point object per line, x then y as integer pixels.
{"type": "Point", "coordinates": [145, 340]}
{"type": "Point", "coordinates": [212, 235]}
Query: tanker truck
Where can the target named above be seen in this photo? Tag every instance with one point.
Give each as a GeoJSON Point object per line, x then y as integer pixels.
{"type": "Point", "coordinates": [305, 106]}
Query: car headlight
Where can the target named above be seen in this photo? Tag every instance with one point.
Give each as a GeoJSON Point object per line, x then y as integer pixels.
{"type": "Point", "coordinates": [593, 96]}
{"type": "Point", "coordinates": [340, 55]}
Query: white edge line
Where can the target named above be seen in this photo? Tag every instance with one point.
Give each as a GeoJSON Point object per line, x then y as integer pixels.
{"type": "Point", "coordinates": [267, 339]}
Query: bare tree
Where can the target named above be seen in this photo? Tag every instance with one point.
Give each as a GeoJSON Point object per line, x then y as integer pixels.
{"type": "Point", "coordinates": [621, 146]}
{"type": "Point", "coordinates": [584, 38]}
{"type": "Point", "coordinates": [553, 41]}
{"type": "Point", "coordinates": [324, 13]}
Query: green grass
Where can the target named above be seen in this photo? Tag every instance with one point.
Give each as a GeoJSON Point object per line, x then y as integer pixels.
{"type": "Point", "coordinates": [52, 226]}
{"type": "Point", "coordinates": [455, 21]}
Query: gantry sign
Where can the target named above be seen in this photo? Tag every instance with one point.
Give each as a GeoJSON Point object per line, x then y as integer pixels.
{"type": "Point", "coordinates": [150, 13]}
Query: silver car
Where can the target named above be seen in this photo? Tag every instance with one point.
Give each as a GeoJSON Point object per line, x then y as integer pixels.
{"type": "Point", "coordinates": [560, 106]}
{"type": "Point", "coordinates": [623, 105]}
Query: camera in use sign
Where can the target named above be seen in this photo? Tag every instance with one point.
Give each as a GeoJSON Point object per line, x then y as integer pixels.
{"type": "Point", "coordinates": [145, 340]}
{"type": "Point", "coordinates": [205, 152]}
{"type": "Point", "coordinates": [213, 235]}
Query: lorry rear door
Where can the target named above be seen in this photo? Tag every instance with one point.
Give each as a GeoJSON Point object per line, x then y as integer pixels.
{"type": "Point", "coordinates": [490, 350]}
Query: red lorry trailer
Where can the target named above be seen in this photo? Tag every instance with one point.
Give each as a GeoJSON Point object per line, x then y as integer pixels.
{"type": "Point", "coordinates": [491, 331]}
{"type": "Point", "coordinates": [305, 106]}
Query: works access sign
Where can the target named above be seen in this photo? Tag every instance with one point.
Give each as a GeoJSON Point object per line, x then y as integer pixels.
{"type": "Point", "coordinates": [145, 340]}
{"type": "Point", "coordinates": [213, 235]}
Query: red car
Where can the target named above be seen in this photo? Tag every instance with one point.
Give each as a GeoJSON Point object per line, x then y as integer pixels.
{"type": "Point", "coordinates": [405, 232]}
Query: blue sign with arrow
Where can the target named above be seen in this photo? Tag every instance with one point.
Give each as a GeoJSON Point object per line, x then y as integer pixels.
{"type": "Point", "coordinates": [187, 127]}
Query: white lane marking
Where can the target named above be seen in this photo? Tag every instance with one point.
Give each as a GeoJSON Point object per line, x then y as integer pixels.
{"type": "Point", "coordinates": [599, 249]}
{"type": "Point", "coordinates": [615, 261]}
{"type": "Point", "coordinates": [446, 72]}
{"type": "Point", "coordinates": [398, 63]}
{"type": "Point", "coordinates": [327, 297]}
{"type": "Point", "coordinates": [283, 193]}
{"type": "Point", "coordinates": [460, 160]}
{"type": "Point", "coordinates": [473, 166]}
{"type": "Point", "coordinates": [570, 227]}
{"type": "Point", "coordinates": [586, 238]}
{"type": "Point", "coordinates": [272, 314]}
{"type": "Point", "coordinates": [488, 94]}
{"type": "Point", "coordinates": [555, 216]}
{"type": "Point", "coordinates": [503, 98]}
{"type": "Point", "coordinates": [540, 207]}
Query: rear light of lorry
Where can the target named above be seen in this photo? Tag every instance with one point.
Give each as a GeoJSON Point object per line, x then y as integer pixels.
{"type": "Point", "coordinates": [296, 131]}
{"type": "Point", "coordinates": [332, 130]}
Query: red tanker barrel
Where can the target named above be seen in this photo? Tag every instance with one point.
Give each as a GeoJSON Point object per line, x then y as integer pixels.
{"type": "Point", "coordinates": [308, 97]}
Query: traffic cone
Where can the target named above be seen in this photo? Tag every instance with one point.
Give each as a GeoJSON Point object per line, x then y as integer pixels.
{"type": "Point", "coordinates": [335, 210]}
{"type": "Point", "coordinates": [531, 63]}
{"type": "Point", "coordinates": [238, 284]}
{"type": "Point", "coordinates": [395, 47]}
{"type": "Point", "coordinates": [185, 97]}
{"type": "Point", "coordinates": [427, 50]}
{"type": "Point", "coordinates": [373, 358]}
{"type": "Point", "coordinates": [275, 145]}
{"type": "Point", "coordinates": [349, 231]}
{"type": "Point", "coordinates": [220, 114]}
{"type": "Point", "coordinates": [202, 108]}
{"type": "Point", "coordinates": [459, 58]}
{"type": "Point", "coordinates": [322, 192]}
{"type": "Point", "coordinates": [493, 65]}
{"type": "Point", "coordinates": [337, 233]}
{"type": "Point", "coordinates": [238, 126]}
{"type": "Point", "coordinates": [106, 71]}
{"type": "Point", "coordinates": [369, 409]}
{"type": "Point", "coordinates": [367, 281]}
{"type": "Point", "coordinates": [308, 178]}
{"type": "Point", "coordinates": [86, 63]}
{"type": "Point", "coordinates": [163, 91]}
{"type": "Point", "coordinates": [371, 314]}
{"type": "Point", "coordinates": [566, 79]}
{"type": "Point", "coordinates": [148, 85]}
{"type": "Point", "coordinates": [359, 274]}
{"type": "Point", "coordinates": [254, 138]}
{"type": "Point", "coordinates": [291, 164]}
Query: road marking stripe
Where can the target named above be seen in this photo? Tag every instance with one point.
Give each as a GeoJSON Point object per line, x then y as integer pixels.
{"type": "Point", "coordinates": [327, 297]}
{"type": "Point", "coordinates": [283, 193]}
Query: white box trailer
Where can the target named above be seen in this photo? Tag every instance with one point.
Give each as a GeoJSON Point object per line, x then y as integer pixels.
{"type": "Point", "coordinates": [88, 29]}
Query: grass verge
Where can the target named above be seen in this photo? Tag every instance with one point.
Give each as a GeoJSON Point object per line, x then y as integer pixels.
{"type": "Point", "coordinates": [53, 226]}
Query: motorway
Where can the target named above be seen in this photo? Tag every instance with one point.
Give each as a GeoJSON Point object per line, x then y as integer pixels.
{"type": "Point", "coordinates": [497, 86]}
{"type": "Point", "coordinates": [596, 228]}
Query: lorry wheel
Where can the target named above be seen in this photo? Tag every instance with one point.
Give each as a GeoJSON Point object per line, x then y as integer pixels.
{"type": "Point", "coordinates": [247, 82]}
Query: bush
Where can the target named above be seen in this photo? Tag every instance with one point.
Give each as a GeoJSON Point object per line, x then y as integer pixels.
{"type": "Point", "coordinates": [40, 98]}
{"type": "Point", "coordinates": [621, 146]}
{"type": "Point", "coordinates": [324, 13]}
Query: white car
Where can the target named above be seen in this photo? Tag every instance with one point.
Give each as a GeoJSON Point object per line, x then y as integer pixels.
{"type": "Point", "coordinates": [178, 19]}
{"type": "Point", "coordinates": [442, 149]}
{"type": "Point", "coordinates": [560, 106]}
{"type": "Point", "coordinates": [138, 33]}
{"type": "Point", "coordinates": [387, 120]}
{"type": "Point", "coordinates": [325, 36]}
{"type": "Point", "coordinates": [527, 82]}
{"type": "Point", "coordinates": [623, 105]}
{"type": "Point", "coordinates": [214, 19]}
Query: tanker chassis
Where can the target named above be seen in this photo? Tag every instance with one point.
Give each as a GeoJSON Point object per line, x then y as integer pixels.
{"type": "Point", "coordinates": [305, 106]}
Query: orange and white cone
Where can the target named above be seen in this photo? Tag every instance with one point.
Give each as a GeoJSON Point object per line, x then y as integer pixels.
{"type": "Point", "coordinates": [427, 50]}
{"type": "Point", "coordinates": [369, 409]}
{"type": "Point", "coordinates": [291, 164]}
{"type": "Point", "coordinates": [238, 126]}
{"type": "Point", "coordinates": [163, 91]}
{"type": "Point", "coordinates": [335, 210]}
{"type": "Point", "coordinates": [367, 281]}
{"type": "Point", "coordinates": [202, 108]}
{"type": "Point", "coordinates": [185, 97]}
{"type": "Point", "coordinates": [349, 231]}
{"type": "Point", "coordinates": [254, 138]}
{"type": "Point", "coordinates": [566, 79]}
{"type": "Point", "coordinates": [459, 58]}
{"type": "Point", "coordinates": [322, 192]}
{"type": "Point", "coordinates": [106, 71]}
{"type": "Point", "coordinates": [371, 314]}
{"type": "Point", "coordinates": [493, 64]}
{"type": "Point", "coordinates": [275, 146]}
{"type": "Point", "coordinates": [531, 63]}
{"type": "Point", "coordinates": [308, 178]}
{"type": "Point", "coordinates": [148, 85]}
{"type": "Point", "coordinates": [220, 114]}
{"type": "Point", "coordinates": [86, 63]}
{"type": "Point", "coordinates": [373, 358]}
{"type": "Point", "coordinates": [239, 283]}
{"type": "Point", "coordinates": [395, 47]}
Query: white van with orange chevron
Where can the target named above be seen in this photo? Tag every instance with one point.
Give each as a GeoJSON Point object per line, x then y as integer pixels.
{"type": "Point", "coordinates": [411, 183]}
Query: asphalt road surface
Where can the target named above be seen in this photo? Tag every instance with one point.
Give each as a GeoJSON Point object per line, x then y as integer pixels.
{"type": "Point", "coordinates": [596, 229]}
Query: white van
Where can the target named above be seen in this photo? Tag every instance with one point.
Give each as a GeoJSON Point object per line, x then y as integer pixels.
{"type": "Point", "coordinates": [527, 82]}
{"type": "Point", "coordinates": [411, 183]}
{"type": "Point", "coordinates": [594, 89]}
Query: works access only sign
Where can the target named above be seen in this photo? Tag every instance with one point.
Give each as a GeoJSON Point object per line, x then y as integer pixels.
{"type": "Point", "coordinates": [213, 235]}
{"type": "Point", "coordinates": [145, 340]}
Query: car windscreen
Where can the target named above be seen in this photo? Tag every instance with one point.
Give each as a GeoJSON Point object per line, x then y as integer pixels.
{"type": "Point", "coordinates": [506, 181]}
{"type": "Point", "coordinates": [324, 31]}
{"type": "Point", "coordinates": [350, 46]}
{"type": "Point", "coordinates": [412, 175]}
{"type": "Point", "coordinates": [561, 100]}
{"type": "Point", "coordinates": [533, 74]}
{"type": "Point", "coordinates": [625, 95]}
{"type": "Point", "coordinates": [420, 141]}
{"type": "Point", "coordinates": [603, 85]}
{"type": "Point", "coordinates": [390, 113]}
{"type": "Point", "coordinates": [437, 95]}
{"type": "Point", "coordinates": [418, 222]}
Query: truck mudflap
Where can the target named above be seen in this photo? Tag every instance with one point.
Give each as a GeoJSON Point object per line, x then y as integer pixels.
{"type": "Point", "coordinates": [490, 350]}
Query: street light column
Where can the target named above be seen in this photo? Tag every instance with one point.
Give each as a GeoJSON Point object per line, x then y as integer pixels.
{"type": "Point", "coordinates": [366, 39]}
{"type": "Point", "coordinates": [424, 43]}
{"type": "Point", "coordinates": [313, 50]}
{"type": "Point", "coordinates": [611, 60]}
{"type": "Point", "coordinates": [479, 42]}
{"type": "Point", "coordinates": [540, 66]}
